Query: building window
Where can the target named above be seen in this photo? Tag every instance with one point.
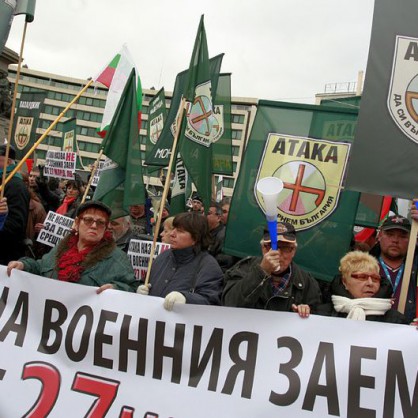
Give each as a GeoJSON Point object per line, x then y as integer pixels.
{"type": "Point", "coordinates": [228, 182]}
{"type": "Point", "coordinates": [236, 134]}
{"type": "Point", "coordinates": [237, 119]}
{"type": "Point", "coordinates": [235, 151]}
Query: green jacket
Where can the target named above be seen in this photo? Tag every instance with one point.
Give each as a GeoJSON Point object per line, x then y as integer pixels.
{"type": "Point", "coordinates": [104, 264]}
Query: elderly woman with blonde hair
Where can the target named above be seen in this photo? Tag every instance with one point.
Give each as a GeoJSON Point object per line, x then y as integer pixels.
{"type": "Point", "coordinates": [360, 293]}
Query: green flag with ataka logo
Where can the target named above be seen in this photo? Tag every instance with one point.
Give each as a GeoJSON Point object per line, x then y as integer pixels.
{"type": "Point", "coordinates": [156, 117]}
{"type": "Point", "coordinates": [28, 109]}
{"type": "Point", "coordinates": [384, 155]}
{"type": "Point", "coordinates": [307, 147]}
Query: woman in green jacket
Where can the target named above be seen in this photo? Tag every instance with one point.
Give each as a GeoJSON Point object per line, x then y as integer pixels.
{"type": "Point", "coordinates": [88, 255]}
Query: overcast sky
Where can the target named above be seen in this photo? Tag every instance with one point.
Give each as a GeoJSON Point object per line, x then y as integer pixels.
{"type": "Point", "coordinates": [275, 49]}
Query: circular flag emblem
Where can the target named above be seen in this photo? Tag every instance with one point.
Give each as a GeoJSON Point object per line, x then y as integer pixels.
{"type": "Point", "coordinates": [411, 98]}
{"type": "Point", "coordinates": [303, 187]}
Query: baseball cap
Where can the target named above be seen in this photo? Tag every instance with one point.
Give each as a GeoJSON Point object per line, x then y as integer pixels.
{"type": "Point", "coordinates": [285, 233]}
{"type": "Point", "coordinates": [396, 222]}
{"type": "Point", "coordinates": [197, 197]}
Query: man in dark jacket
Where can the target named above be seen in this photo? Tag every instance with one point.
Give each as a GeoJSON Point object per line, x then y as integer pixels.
{"type": "Point", "coordinates": [14, 230]}
{"type": "Point", "coordinates": [274, 281]}
{"type": "Point", "coordinates": [216, 229]}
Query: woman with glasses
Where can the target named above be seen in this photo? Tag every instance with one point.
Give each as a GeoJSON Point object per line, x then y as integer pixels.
{"type": "Point", "coordinates": [88, 255]}
{"type": "Point", "coordinates": [360, 293]}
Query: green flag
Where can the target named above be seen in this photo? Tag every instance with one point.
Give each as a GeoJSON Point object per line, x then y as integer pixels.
{"type": "Point", "coordinates": [181, 189]}
{"type": "Point", "coordinates": [121, 183]}
{"type": "Point", "coordinates": [201, 127]}
{"type": "Point", "coordinates": [222, 148]}
{"type": "Point", "coordinates": [384, 155]}
{"type": "Point", "coordinates": [157, 114]}
{"type": "Point", "coordinates": [301, 145]}
{"type": "Point", "coordinates": [69, 135]}
{"type": "Point", "coordinates": [29, 107]}
{"type": "Point", "coordinates": [370, 205]}
{"type": "Point", "coordinates": [160, 153]}
{"type": "Point", "coordinates": [26, 7]}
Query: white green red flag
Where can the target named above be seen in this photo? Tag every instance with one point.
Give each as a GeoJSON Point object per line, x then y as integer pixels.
{"type": "Point", "coordinates": [114, 76]}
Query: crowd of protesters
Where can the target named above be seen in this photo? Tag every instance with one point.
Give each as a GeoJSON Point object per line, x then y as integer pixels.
{"type": "Point", "coordinates": [195, 269]}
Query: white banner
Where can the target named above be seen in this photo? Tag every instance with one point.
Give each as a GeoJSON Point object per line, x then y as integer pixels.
{"type": "Point", "coordinates": [139, 252]}
{"type": "Point", "coordinates": [60, 164]}
{"type": "Point", "coordinates": [56, 227]}
{"type": "Point", "coordinates": [67, 352]}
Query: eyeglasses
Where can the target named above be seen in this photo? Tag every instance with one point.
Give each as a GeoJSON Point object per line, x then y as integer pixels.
{"type": "Point", "coordinates": [284, 248]}
{"type": "Point", "coordinates": [89, 221]}
{"type": "Point", "coordinates": [363, 277]}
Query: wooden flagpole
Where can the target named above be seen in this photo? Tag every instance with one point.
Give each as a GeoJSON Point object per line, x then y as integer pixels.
{"type": "Point", "coordinates": [12, 111]}
{"type": "Point", "coordinates": [92, 173]}
{"type": "Point", "coordinates": [166, 187]}
{"type": "Point", "coordinates": [408, 266]}
{"type": "Point", "coordinates": [35, 145]}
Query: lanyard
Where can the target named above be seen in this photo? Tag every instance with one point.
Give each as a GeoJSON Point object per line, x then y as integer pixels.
{"type": "Point", "coordinates": [388, 276]}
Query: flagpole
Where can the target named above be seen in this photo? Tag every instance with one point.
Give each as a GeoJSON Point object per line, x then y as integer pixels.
{"type": "Point", "coordinates": [35, 145]}
{"type": "Point", "coordinates": [92, 173]}
{"type": "Point", "coordinates": [166, 187]}
{"type": "Point", "coordinates": [12, 111]}
{"type": "Point", "coordinates": [408, 266]}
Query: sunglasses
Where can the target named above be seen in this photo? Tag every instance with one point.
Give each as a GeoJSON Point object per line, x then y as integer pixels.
{"type": "Point", "coordinates": [284, 248]}
{"type": "Point", "coordinates": [363, 277]}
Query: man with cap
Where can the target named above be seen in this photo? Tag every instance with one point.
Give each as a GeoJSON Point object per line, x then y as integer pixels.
{"type": "Point", "coordinates": [393, 239]}
{"type": "Point", "coordinates": [274, 281]}
{"type": "Point", "coordinates": [13, 233]}
{"type": "Point", "coordinates": [197, 204]}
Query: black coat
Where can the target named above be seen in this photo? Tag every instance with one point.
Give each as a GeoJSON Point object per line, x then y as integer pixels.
{"type": "Point", "coordinates": [14, 231]}
{"type": "Point", "coordinates": [247, 286]}
{"type": "Point", "coordinates": [385, 292]}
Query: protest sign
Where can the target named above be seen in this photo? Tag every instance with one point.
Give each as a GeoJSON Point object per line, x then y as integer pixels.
{"type": "Point", "coordinates": [139, 252]}
{"type": "Point", "coordinates": [119, 354]}
{"type": "Point", "coordinates": [56, 227]}
{"type": "Point", "coordinates": [60, 164]}
{"type": "Point", "coordinates": [96, 176]}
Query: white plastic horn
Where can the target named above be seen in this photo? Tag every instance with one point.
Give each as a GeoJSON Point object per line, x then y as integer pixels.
{"type": "Point", "coordinates": [270, 188]}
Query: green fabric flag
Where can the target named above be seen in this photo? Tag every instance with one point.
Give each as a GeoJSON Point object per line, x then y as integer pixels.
{"type": "Point", "coordinates": [26, 119]}
{"type": "Point", "coordinates": [6, 18]}
{"type": "Point", "coordinates": [201, 127]}
{"type": "Point", "coordinates": [370, 205]}
{"type": "Point", "coordinates": [121, 183]}
{"type": "Point", "coordinates": [307, 149]}
{"type": "Point", "coordinates": [157, 115]}
{"type": "Point", "coordinates": [160, 154]}
{"type": "Point", "coordinates": [222, 148]}
{"type": "Point", "coordinates": [69, 135]}
{"type": "Point", "coordinates": [69, 140]}
{"type": "Point", "coordinates": [181, 189]}
{"type": "Point", "coordinates": [384, 155]}
{"type": "Point", "coordinates": [26, 7]}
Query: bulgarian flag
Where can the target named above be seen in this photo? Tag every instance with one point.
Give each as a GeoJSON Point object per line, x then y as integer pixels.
{"type": "Point", "coordinates": [114, 76]}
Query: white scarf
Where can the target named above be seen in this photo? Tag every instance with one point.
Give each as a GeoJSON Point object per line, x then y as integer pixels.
{"type": "Point", "coordinates": [358, 309]}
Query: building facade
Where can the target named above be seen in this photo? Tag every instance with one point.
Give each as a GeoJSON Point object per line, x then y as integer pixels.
{"type": "Point", "coordinates": [88, 112]}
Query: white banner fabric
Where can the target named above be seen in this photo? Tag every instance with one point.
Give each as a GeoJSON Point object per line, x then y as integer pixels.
{"type": "Point", "coordinates": [66, 351]}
